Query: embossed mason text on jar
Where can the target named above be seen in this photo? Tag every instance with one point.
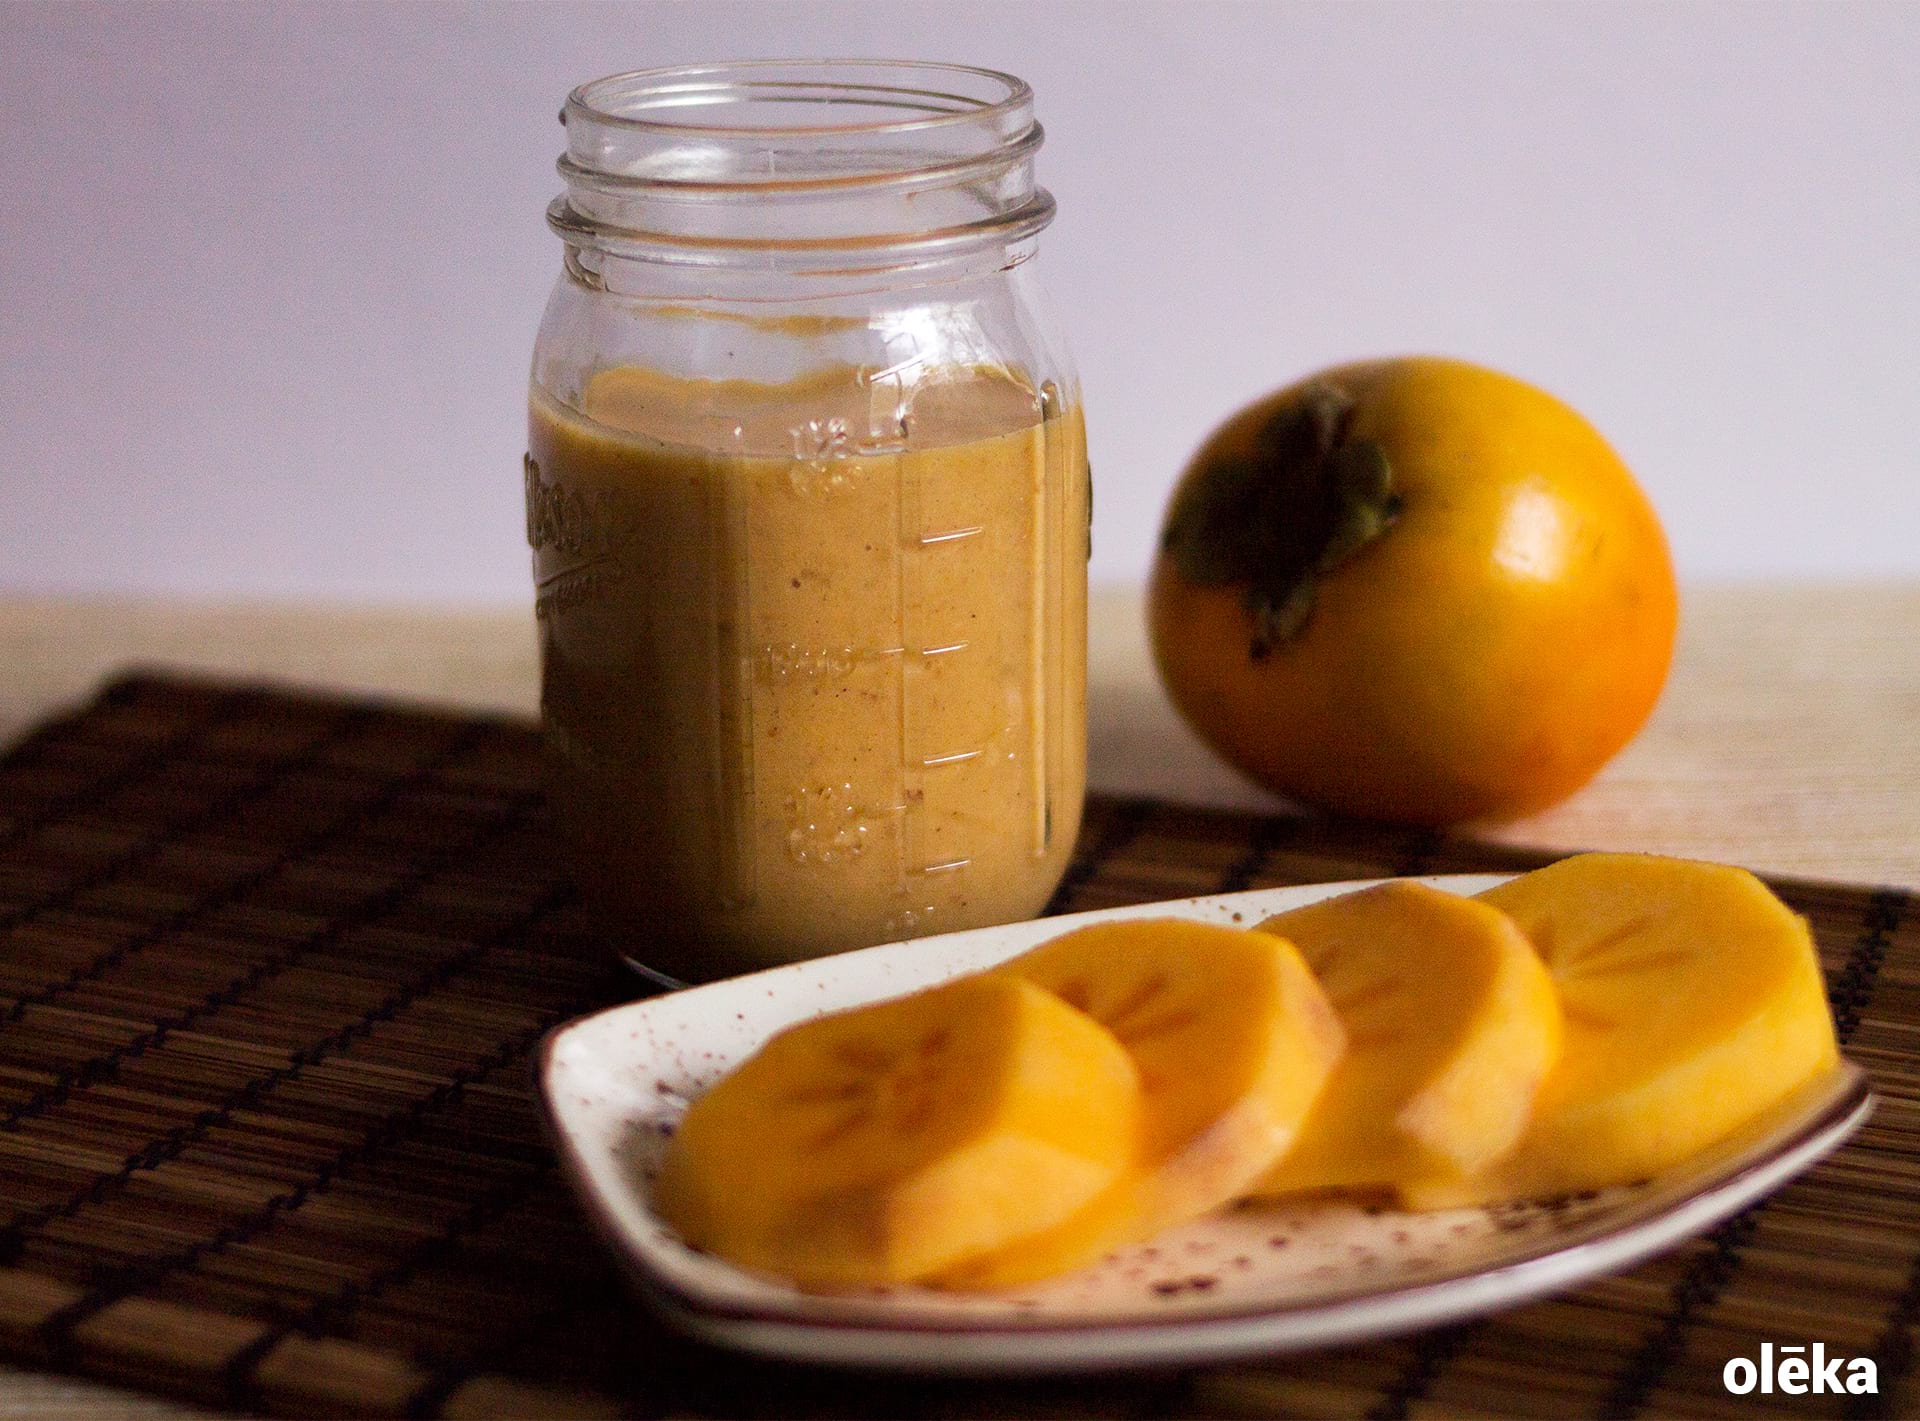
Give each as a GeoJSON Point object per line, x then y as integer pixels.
{"type": "Point", "coordinates": [807, 496]}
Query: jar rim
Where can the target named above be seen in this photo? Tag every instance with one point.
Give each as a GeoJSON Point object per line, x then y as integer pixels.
{"type": "Point", "coordinates": [755, 161]}
{"type": "Point", "coordinates": [679, 86]}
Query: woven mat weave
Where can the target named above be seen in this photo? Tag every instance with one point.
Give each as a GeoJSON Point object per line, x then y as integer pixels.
{"type": "Point", "coordinates": [273, 968]}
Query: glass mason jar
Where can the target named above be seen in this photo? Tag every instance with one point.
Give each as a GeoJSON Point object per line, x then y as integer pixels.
{"type": "Point", "coordinates": [807, 494]}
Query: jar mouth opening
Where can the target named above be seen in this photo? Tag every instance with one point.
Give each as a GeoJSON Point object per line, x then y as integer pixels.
{"type": "Point", "coordinates": [771, 97]}
{"type": "Point", "coordinates": [804, 162]}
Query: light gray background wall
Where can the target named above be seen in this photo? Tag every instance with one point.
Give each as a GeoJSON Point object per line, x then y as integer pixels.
{"type": "Point", "coordinates": [269, 273]}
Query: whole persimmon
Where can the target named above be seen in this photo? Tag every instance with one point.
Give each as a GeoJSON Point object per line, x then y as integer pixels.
{"type": "Point", "coordinates": [1415, 590]}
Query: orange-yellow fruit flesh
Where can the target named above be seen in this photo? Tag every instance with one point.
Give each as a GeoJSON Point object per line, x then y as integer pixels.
{"type": "Point", "coordinates": [1693, 1001]}
{"type": "Point", "coordinates": [886, 1143]}
{"type": "Point", "coordinates": [1233, 1040]}
{"type": "Point", "coordinates": [1451, 1024]}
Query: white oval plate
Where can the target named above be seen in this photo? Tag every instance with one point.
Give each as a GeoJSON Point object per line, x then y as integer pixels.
{"type": "Point", "coordinates": [1251, 1280]}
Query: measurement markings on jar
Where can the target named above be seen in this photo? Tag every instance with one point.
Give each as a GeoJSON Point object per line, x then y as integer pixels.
{"type": "Point", "coordinates": [933, 540]}
{"type": "Point", "coordinates": [937, 762]}
{"type": "Point", "coordinates": [784, 664]}
{"type": "Point", "coordinates": [733, 778]}
{"type": "Point", "coordinates": [791, 661]}
{"type": "Point", "coordinates": [915, 542]}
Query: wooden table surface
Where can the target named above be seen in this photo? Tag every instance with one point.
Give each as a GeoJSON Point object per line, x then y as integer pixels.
{"type": "Point", "coordinates": [1788, 739]}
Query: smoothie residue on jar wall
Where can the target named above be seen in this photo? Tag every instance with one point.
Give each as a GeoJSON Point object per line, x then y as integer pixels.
{"type": "Point", "coordinates": [812, 602]}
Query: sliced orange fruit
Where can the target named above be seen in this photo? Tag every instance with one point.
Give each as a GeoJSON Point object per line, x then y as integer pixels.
{"type": "Point", "coordinates": [1233, 1040]}
{"type": "Point", "coordinates": [1692, 1000]}
{"type": "Point", "coordinates": [1451, 1024]}
{"type": "Point", "coordinates": [886, 1143]}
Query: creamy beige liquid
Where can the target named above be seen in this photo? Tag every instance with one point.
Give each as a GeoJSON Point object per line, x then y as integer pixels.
{"type": "Point", "coordinates": [814, 674]}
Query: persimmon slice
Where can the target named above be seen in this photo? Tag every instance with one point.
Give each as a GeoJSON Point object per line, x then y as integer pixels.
{"type": "Point", "coordinates": [1451, 1024]}
{"type": "Point", "coordinates": [1692, 1000]}
{"type": "Point", "coordinates": [889, 1142]}
{"type": "Point", "coordinates": [1233, 1040]}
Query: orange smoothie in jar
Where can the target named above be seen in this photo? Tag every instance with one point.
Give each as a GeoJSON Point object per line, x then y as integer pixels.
{"type": "Point", "coordinates": [814, 655]}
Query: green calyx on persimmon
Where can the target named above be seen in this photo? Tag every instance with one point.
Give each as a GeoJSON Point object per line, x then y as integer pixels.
{"type": "Point", "coordinates": [1306, 498]}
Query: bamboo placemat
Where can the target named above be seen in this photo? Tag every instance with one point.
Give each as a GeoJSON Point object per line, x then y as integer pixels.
{"type": "Point", "coordinates": [273, 967]}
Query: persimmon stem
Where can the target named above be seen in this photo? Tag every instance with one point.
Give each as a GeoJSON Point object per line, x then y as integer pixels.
{"type": "Point", "coordinates": [1308, 497]}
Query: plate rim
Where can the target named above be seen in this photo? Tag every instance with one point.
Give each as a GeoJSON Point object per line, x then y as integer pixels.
{"type": "Point", "coordinates": [1064, 1345]}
